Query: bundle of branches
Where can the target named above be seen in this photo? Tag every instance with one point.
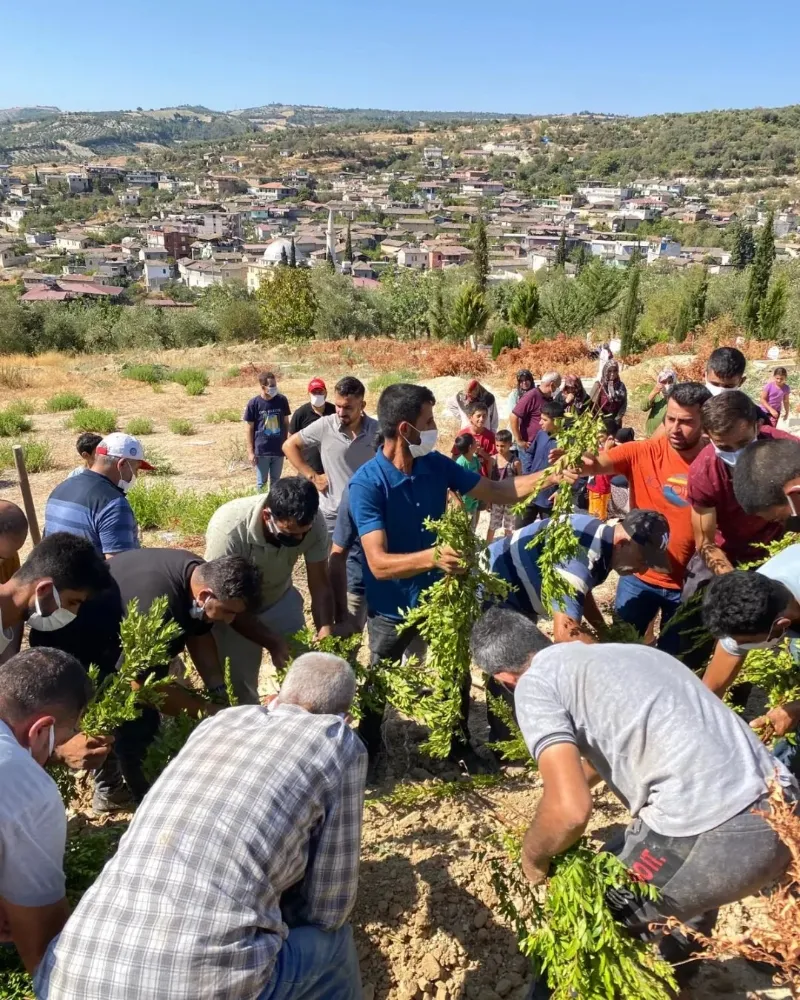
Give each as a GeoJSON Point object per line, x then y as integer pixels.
{"type": "Point", "coordinates": [557, 541]}
{"type": "Point", "coordinates": [443, 617]}
{"type": "Point", "coordinates": [775, 936]}
{"type": "Point", "coordinates": [569, 932]}
{"type": "Point", "coordinates": [513, 749]}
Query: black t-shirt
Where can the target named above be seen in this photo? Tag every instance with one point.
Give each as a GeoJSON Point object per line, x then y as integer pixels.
{"type": "Point", "coordinates": [302, 417]}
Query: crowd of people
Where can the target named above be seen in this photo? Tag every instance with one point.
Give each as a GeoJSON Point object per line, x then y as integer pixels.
{"type": "Point", "coordinates": [239, 870]}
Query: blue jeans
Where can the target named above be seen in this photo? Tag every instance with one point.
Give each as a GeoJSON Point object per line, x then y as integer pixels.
{"type": "Point", "coordinates": [316, 965]}
{"type": "Point", "coordinates": [268, 469]}
{"type": "Point", "coordinates": [785, 750]}
{"type": "Point", "coordinates": [638, 603]}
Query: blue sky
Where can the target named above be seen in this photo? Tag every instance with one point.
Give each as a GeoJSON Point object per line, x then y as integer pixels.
{"type": "Point", "coordinates": [520, 56]}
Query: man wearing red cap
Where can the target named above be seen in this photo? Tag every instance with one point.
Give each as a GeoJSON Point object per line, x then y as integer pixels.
{"type": "Point", "coordinates": [317, 406]}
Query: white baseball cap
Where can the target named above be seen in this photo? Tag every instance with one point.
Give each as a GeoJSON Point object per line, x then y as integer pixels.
{"type": "Point", "coordinates": [119, 445]}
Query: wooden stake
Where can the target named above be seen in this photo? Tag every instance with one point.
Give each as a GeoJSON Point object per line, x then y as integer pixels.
{"type": "Point", "coordinates": [27, 496]}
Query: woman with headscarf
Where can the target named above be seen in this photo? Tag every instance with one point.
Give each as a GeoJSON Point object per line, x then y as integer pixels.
{"type": "Point", "coordinates": [609, 395]}
{"type": "Point", "coordinates": [457, 406]}
{"type": "Point", "coordinates": [524, 384]}
{"type": "Point", "coordinates": [655, 406]}
{"type": "Point", "coordinates": [572, 394]}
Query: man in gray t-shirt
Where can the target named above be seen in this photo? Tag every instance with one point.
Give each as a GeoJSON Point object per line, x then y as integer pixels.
{"type": "Point", "coordinates": [687, 767]}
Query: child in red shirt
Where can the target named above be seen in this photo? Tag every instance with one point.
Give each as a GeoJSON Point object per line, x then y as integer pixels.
{"type": "Point", "coordinates": [487, 448]}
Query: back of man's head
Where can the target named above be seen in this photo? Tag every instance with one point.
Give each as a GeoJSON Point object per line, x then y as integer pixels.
{"type": "Point", "coordinates": [43, 681]}
{"type": "Point", "coordinates": [727, 362]}
{"type": "Point", "coordinates": [71, 562]}
{"type": "Point", "coordinates": [13, 529]}
{"type": "Point", "coordinates": [503, 641]}
{"type": "Point", "coordinates": [293, 498]}
{"type": "Point", "coordinates": [761, 473]}
{"type": "Point", "coordinates": [743, 603]}
{"type": "Point", "coordinates": [321, 683]}
{"type": "Point", "coordinates": [401, 403]}
{"type": "Point", "coordinates": [233, 578]}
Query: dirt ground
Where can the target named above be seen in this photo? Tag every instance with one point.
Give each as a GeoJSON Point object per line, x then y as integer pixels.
{"type": "Point", "coordinates": [426, 919]}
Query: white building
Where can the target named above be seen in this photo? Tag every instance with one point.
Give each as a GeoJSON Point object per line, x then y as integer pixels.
{"type": "Point", "coordinates": [156, 269]}
{"type": "Point", "coordinates": [142, 178]}
{"type": "Point", "coordinates": [13, 216]}
{"type": "Point", "coordinates": [71, 242]}
{"type": "Point", "coordinates": [272, 257]}
{"type": "Point", "coordinates": [129, 198]}
{"type": "Point", "coordinates": [412, 257]}
{"type": "Point", "coordinates": [596, 194]}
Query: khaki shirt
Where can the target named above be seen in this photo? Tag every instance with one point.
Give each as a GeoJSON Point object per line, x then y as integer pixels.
{"type": "Point", "coordinates": [237, 529]}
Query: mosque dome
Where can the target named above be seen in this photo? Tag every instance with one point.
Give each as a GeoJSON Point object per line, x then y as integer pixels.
{"type": "Point", "coordinates": [272, 254]}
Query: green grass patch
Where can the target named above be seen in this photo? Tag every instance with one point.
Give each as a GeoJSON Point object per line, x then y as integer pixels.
{"type": "Point", "coordinates": [38, 456]}
{"type": "Point", "coordinates": [151, 374]}
{"type": "Point", "coordinates": [23, 406]}
{"type": "Point", "coordinates": [223, 417]}
{"type": "Point", "coordinates": [183, 376]}
{"type": "Point", "coordinates": [182, 426]}
{"type": "Point", "coordinates": [64, 401]}
{"type": "Point", "coordinates": [160, 506]}
{"type": "Point", "coordinates": [139, 426]}
{"type": "Point", "coordinates": [195, 387]}
{"type": "Point", "coordinates": [379, 383]}
{"type": "Point", "coordinates": [91, 418]}
{"type": "Point", "coordinates": [162, 466]}
{"type": "Point", "coordinates": [233, 371]}
{"type": "Point", "coordinates": [12, 422]}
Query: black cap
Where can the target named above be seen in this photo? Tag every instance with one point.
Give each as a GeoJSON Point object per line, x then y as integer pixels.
{"type": "Point", "coordinates": [649, 529]}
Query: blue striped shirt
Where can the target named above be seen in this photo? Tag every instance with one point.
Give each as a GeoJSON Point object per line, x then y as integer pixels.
{"type": "Point", "coordinates": [91, 506]}
{"type": "Point", "coordinates": [516, 560]}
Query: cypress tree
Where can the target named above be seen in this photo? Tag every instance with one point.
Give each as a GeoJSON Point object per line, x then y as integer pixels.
{"type": "Point", "coordinates": [284, 258]}
{"type": "Point", "coordinates": [698, 300]}
{"type": "Point", "coordinates": [759, 277]}
{"type": "Point", "coordinates": [772, 313]}
{"type": "Point", "coordinates": [630, 314]}
{"type": "Point", "coordinates": [292, 255]}
{"type": "Point", "coordinates": [348, 247]}
{"type": "Point", "coordinates": [561, 250]}
{"type": "Point", "coordinates": [743, 246]}
{"type": "Point", "coordinates": [480, 250]}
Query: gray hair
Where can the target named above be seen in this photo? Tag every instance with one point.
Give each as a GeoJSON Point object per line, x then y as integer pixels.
{"type": "Point", "coordinates": [321, 683]}
{"type": "Point", "coordinates": [504, 640]}
{"type": "Point", "coordinates": [551, 378]}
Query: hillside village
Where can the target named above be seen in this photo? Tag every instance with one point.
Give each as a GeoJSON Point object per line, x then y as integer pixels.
{"type": "Point", "coordinates": [134, 228]}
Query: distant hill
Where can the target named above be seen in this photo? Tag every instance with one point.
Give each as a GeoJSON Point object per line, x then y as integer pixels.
{"type": "Point", "coordinates": [28, 114]}
{"type": "Point", "coordinates": [316, 116]}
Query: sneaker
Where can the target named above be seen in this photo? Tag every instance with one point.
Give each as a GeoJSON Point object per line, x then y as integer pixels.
{"type": "Point", "coordinates": [116, 799]}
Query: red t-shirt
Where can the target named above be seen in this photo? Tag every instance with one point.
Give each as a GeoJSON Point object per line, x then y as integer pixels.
{"type": "Point", "coordinates": [657, 474]}
{"type": "Point", "coordinates": [711, 485]}
{"type": "Point", "coordinates": [529, 409]}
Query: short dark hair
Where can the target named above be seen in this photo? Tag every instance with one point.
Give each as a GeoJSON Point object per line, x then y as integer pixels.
{"type": "Point", "coordinates": [780, 370]}
{"type": "Point", "coordinates": [502, 639]}
{"type": "Point", "coordinates": [743, 603]}
{"type": "Point", "coordinates": [264, 377]}
{"type": "Point", "coordinates": [71, 561]}
{"type": "Point", "coordinates": [463, 443]}
{"type": "Point", "coordinates": [689, 394]}
{"type": "Point", "coordinates": [554, 409]}
{"type": "Point", "coordinates": [293, 498]}
{"type": "Point", "coordinates": [504, 435]}
{"type": "Point", "coordinates": [233, 578]}
{"type": "Point", "coordinates": [350, 386]}
{"type": "Point", "coordinates": [624, 435]}
{"type": "Point", "coordinates": [87, 442]}
{"type": "Point", "coordinates": [401, 402]}
{"type": "Point", "coordinates": [43, 680]}
{"type": "Point", "coordinates": [727, 362]}
{"type": "Point", "coordinates": [764, 467]}
{"type": "Point", "coordinates": [610, 425]}
{"type": "Point", "coordinates": [721, 413]}
{"type": "Point", "coordinates": [476, 406]}
{"type": "Point", "coordinates": [12, 520]}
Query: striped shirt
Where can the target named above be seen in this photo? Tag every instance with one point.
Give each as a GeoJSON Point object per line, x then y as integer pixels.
{"type": "Point", "coordinates": [91, 506]}
{"type": "Point", "coordinates": [254, 828]}
{"type": "Point", "coordinates": [516, 559]}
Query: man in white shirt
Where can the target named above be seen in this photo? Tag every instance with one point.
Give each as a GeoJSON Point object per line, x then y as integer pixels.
{"type": "Point", "coordinates": [43, 693]}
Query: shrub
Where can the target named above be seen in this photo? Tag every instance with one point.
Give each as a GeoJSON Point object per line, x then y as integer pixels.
{"type": "Point", "coordinates": [504, 336]}
{"type": "Point", "coordinates": [153, 504]}
{"type": "Point", "coordinates": [12, 377]}
{"type": "Point", "coordinates": [183, 376]}
{"type": "Point", "coordinates": [195, 387]}
{"type": "Point", "coordinates": [63, 401]}
{"type": "Point", "coordinates": [139, 426]}
{"type": "Point", "coordinates": [230, 416]}
{"type": "Point", "coordinates": [37, 454]}
{"type": "Point", "coordinates": [196, 509]}
{"type": "Point", "coordinates": [379, 383]}
{"type": "Point", "coordinates": [145, 373]}
{"type": "Point", "coordinates": [233, 371]}
{"type": "Point", "coordinates": [23, 406]}
{"type": "Point", "coordinates": [12, 422]}
{"type": "Point", "coordinates": [162, 466]}
{"type": "Point", "coordinates": [179, 425]}
{"type": "Point", "coordinates": [91, 418]}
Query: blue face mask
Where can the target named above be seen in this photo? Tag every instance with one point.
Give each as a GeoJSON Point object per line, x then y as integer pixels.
{"type": "Point", "coordinates": [728, 457]}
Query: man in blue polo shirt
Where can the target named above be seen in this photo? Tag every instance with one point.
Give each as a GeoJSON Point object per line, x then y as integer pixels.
{"type": "Point", "coordinates": [390, 497]}
{"type": "Point", "coordinates": [93, 504]}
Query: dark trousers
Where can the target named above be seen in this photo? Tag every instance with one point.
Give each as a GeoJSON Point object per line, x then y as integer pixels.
{"type": "Point", "coordinates": [386, 643]}
{"type": "Point", "coordinates": [125, 761]}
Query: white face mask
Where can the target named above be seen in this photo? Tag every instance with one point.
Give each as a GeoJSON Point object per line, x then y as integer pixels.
{"type": "Point", "coordinates": [317, 399]}
{"type": "Point", "coordinates": [127, 484]}
{"type": "Point", "coordinates": [49, 623]}
{"type": "Point", "coordinates": [731, 457]}
{"type": "Point", "coordinates": [715, 390]}
{"type": "Point", "coordinates": [272, 390]}
{"type": "Point", "coordinates": [50, 746]}
{"type": "Point", "coordinates": [427, 442]}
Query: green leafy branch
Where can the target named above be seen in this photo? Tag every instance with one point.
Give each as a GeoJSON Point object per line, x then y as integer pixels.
{"type": "Point", "coordinates": [345, 647]}
{"type": "Point", "coordinates": [515, 748]}
{"type": "Point", "coordinates": [443, 617]}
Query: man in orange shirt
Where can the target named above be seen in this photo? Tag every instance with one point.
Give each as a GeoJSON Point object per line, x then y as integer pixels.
{"type": "Point", "coordinates": [657, 470]}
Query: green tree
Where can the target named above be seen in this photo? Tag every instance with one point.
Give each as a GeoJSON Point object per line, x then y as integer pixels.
{"type": "Point", "coordinates": [287, 304]}
{"type": "Point", "coordinates": [580, 257]}
{"type": "Point", "coordinates": [631, 308]}
{"type": "Point", "coordinates": [759, 277]}
{"type": "Point", "coordinates": [772, 314]}
{"type": "Point", "coordinates": [524, 310]}
{"type": "Point", "coordinates": [560, 258]}
{"type": "Point", "coordinates": [470, 315]}
{"type": "Point", "coordinates": [292, 254]}
{"type": "Point", "coordinates": [348, 247]}
{"type": "Point", "coordinates": [438, 325]}
{"type": "Point", "coordinates": [699, 297]}
{"type": "Point", "coordinates": [284, 261]}
{"type": "Point", "coordinates": [480, 251]}
{"type": "Point", "coordinates": [743, 246]}
{"type": "Point", "coordinates": [683, 321]}
{"type": "Point", "coordinates": [405, 301]}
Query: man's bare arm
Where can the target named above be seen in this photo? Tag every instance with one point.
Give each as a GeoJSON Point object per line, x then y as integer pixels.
{"type": "Point", "coordinates": [402, 565]}
{"type": "Point", "coordinates": [704, 526]}
{"type": "Point", "coordinates": [34, 927]}
{"type": "Point", "coordinates": [722, 670]}
{"type": "Point", "coordinates": [319, 587]}
{"type": "Point", "coordinates": [337, 570]}
{"type": "Point", "coordinates": [252, 628]}
{"type": "Point", "coordinates": [293, 450]}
